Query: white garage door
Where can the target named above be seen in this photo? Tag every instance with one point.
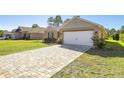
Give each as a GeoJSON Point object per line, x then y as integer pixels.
{"type": "Point", "coordinates": [78, 38]}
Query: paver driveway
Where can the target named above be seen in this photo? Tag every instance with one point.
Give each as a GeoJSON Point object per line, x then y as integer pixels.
{"type": "Point", "coordinates": [43, 62]}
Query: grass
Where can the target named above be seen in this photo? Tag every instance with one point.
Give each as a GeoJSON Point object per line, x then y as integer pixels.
{"type": "Point", "coordinates": [122, 37]}
{"type": "Point", "coordinates": [13, 46]}
{"type": "Point", "coordinates": [105, 63]}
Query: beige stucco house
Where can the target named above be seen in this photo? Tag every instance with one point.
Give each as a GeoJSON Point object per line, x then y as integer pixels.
{"type": "Point", "coordinates": [28, 33]}
{"type": "Point", "coordinates": [78, 31]}
{"type": "Point", "coordinates": [37, 33]}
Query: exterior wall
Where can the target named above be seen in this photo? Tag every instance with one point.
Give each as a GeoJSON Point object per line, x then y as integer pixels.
{"type": "Point", "coordinates": [101, 33]}
{"type": "Point", "coordinates": [16, 35]}
{"type": "Point", "coordinates": [13, 36]}
{"type": "Point", "coordinates": [55, 34]}
{"type": "Point", "coordinates": [36, 36]}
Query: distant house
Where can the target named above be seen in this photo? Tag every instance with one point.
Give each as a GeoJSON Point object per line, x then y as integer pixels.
{"type": "Point", "coordinates": [7, 35]}
{"type": "Point", "coordinates": [34, 33]}
{"type": "Point", "coordinates": [28, 33]}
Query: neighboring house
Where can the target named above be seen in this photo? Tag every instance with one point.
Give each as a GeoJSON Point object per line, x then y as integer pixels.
{"type": "Point", "coordinates": [34, 33]}
{"type": "Point", "coordinates": [6, 35]}
{"type": "Point", "coordinates": [16, 34]}
{"type": "Point", "coordinates": [79, 31]}
{"type": "Point", "coordinates": [28, 33]}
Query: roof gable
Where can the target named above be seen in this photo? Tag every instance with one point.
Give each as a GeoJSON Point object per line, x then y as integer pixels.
{"type": "Point", "coordinates": [33, 30]}
{"type": "Point", "coordinates": [38, 30]}
{"type": "Point", "coordinates": [78, 23]}
{"type": "Point", "coordinates": [25, 28]}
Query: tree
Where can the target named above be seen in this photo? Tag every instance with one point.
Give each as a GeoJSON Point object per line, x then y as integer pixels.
{"type": "Point", "coordinates": [35, 25]}
{"type": "Point", "coordinates": [122, 29]}
{"type": "Point", "coordinates": [66, 20]}
{"type": "Point", "coordinates": [117, 36]}
{"type": "Point", "coordinates": [98, 42]}
{"type": "Point", "coordinates": [113, 37]}
{"type": "Point", "coordinates": [50, 21]}
{"type": "Point", "coordinates": [57, 21]}
{"type": "Point", "coordinates": [111, 32]}
{"type": "Point", "coordinates": [76, 16]}
{"type": "Point", "coordinates": [1, 33]}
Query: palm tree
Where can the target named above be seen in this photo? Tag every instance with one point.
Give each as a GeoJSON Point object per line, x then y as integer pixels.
{"type": "Point", "coordinates": [57, 21]}
{"type": "Point", "coordinates": [50, 21]}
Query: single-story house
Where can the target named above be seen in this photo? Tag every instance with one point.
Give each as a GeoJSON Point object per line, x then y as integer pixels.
{"type": "Point", "coordinates": [37, 33]}
{"type": "Point", "coordinates": [28, 33]}
{"type": "Point", "coordinates": [79, 31]}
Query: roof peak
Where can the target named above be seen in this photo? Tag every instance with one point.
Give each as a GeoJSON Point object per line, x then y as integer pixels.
{"type": "Point", "coordinates": [81, 19]}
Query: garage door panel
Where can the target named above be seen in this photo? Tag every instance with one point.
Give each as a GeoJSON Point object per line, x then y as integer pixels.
{"type": "Point", "coordinates": [78, 38]}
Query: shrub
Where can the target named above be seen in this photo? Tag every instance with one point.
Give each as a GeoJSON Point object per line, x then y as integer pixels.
{"type": "Point", "coordinates": [50, 40]}
{"type": "Point", "coordinates": [113, 37]}
{"type": "Point", "coordinates": [116, 36]}
{"type": "Point", "coordinates": [101, 43]}
{"type": "Point", "coordinates": [59, 41]}
{"type": "Point", "coordinates": [98, 42]}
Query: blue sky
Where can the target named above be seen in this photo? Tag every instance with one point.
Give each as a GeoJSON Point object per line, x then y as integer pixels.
{"type": "Point", "coordinates": [10, 22]}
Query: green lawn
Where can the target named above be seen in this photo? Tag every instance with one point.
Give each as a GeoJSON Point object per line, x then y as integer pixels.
{"type": "Point", "coordinates": [13, 46]}
{"type": "Point", "coordinates": [122, 37]}
{"type": "Point", "coordinates": [108, 62]}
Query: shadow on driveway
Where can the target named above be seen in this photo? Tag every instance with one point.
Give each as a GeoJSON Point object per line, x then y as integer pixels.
{"type": "Point", "coordinates": [79, 48]}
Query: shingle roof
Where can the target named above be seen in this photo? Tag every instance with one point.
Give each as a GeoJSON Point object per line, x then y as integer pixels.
{"type": "Point", "coordinates": [14, 30]}
{"type": "Point", "coordinates": [50, 28]}
{"type": "Point", "coordinates": [80, 20]}
{"type": "Point", "coordinates": [25, 28]}
{"type": "Point", "coordinates": [32, 30]}
{"type": "Point", "coordinates": [37, 30]}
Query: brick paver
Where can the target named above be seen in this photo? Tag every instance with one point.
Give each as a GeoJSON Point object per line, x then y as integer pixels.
{"type": "Point", "coordinates": [43, 62]}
